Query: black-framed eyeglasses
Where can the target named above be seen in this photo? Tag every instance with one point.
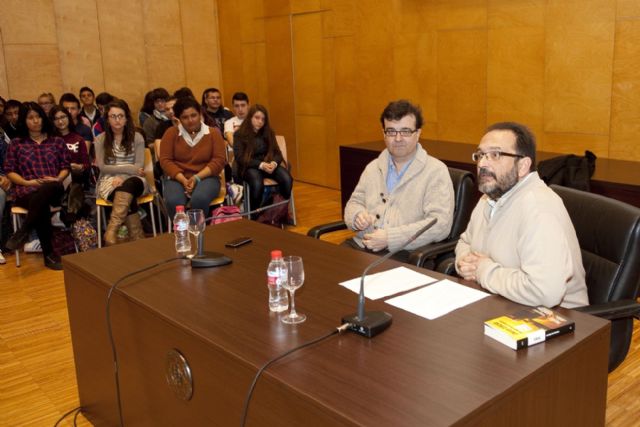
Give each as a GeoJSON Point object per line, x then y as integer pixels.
{"type": "Point", "coordinates": [493, 155]}
{"type": "Point", "coordinates": [390, 132]}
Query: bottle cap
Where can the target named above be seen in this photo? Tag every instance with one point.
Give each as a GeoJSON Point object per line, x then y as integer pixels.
{"type": "Point", "coordinates": [277, 253]}
{"type": "Point", "coordinates": [180, 208]}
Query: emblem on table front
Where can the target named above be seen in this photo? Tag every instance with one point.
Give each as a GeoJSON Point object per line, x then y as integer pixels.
{"type": "Point", "coordinates": [178, 375]}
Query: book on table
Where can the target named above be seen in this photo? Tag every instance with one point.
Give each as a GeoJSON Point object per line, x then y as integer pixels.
{"type": "Point", "coordinates": [527, 326]}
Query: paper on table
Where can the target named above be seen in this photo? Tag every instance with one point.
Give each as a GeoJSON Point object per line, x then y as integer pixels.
{"type": "Point", "coordinates": [389, 282]}
{"type": "Point", "coordinates": [438, 299]}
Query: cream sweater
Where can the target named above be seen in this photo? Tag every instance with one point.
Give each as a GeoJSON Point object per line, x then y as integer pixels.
{"type": "Point", "coordinates": [534, 253]}
{"type": "Point", "coordinates": [424, 192]}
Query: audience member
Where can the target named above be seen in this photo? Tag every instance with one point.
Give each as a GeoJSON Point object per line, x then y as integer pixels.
{"type": "Point", "coordinates": [2, 104]}
{"type": "Point", "coordinates": [102, 100]}
{"type": "Point", "coordinates": [520, 242]}
{"type": "Point", "coordinates": [192, 157]}
{"type": "Point", "coordinates": [214, 113]}
{"type": "Point", "coordinates": [11, 110]}
{"type": "Point", "coordinates": [46, 101]}
{"type": "Point", "coordinates": [37, 163]}
{"type": "Point", "coordinates": [401, 190]}
{"type": "Point", "coordinates": [120, 158]}
{"type": "Point", "coordinates": [173, 121]}
{"type": "Point", "coordinates": [147, 108]}
{"type": "Point", "coordinates": [89, 109]}
{"type": "Point", "coordinates": [5, 185]}
{"type": "Point", "coordinates": [184, 92]}
{"type": "Point", "coordinates": [81, 125]}
{"type": "Point", "coordinates": [240, 103]}
{"type": "Point", "coordinates": [258, 156]}
{"type": "Point", "coordinates": [159, 97]}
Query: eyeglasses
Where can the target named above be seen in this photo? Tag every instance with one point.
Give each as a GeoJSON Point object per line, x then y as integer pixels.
{"type": "Point", "coordinates": [493, 155]}
{"type": "Point", "coordinates": [60, 118]}
{"type": "Point", "coordinates": [116, 116]}
{"type": "Point", "coordinates": [391, 133]}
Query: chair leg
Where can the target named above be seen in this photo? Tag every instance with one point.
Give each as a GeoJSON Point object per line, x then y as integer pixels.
{"type": "Point", "coordinates": [153, 219]}
{"type": "Point", "coordinates": [99, 223]}
{"type": "Point", "coordinates": [16, 226]}
{"type": "Point", "coordinates": [246, 204]}
{"type": "Point", "coordinates": [293, 210]}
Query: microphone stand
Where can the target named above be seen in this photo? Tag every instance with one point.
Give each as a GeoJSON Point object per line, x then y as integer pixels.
{"type": "Point", "coordinates": [371, 323]}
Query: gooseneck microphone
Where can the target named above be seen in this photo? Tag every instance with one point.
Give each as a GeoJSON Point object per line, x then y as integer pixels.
{"type": "Point", "coordinates": [215, 259]}
{"type": "Point", "coordinates": [371, 323]}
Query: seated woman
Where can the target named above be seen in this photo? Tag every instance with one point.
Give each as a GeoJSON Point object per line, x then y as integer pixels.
{"type": "Point", "coordinates": [257, 156]}
{"type": "Point", "coordinates": [120, 158]}
{"type": "Point", "coordinates": [192, 157]}
{"type": "Point", "coordinates": [37, 162]}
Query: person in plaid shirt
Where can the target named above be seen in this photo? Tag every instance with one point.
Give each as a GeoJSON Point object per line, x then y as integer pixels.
{"type": "Point", "coordinates": [37, 163]}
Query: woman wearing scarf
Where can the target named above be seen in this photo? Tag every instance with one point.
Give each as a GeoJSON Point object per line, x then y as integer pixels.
{"type": "Point", "coordinates": [192, 157]}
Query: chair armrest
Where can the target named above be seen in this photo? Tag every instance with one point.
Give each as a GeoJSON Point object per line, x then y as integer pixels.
{"type": "Point", "coordinates": [420, 256]}
{"type": "Point", "coordinates": [319, 230]}
{"type": "Point", "coordinates": [613, 310]}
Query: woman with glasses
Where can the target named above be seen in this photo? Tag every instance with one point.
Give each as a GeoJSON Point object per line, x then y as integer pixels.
{"type": "Point", "coordinates": [37, 162]}
{"type": "Point", "coordinates": [258, 156]}
{"type": "Point", "coordinates": [120, 158]}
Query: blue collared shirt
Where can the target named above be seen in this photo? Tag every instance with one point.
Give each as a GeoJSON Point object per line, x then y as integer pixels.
{"type": "Point", "coordinates": [393, 176]}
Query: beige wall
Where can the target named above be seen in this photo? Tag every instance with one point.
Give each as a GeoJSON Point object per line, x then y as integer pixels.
{"type": "Point", "coordinates": [567, 68]}
{"type": "Point", "coordinates": [125, 47]}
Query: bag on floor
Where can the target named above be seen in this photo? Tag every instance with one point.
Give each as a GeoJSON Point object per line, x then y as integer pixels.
{"type": "Point", "coordinates": [62, 241]}
{"type": "Point", "coordinates": [224, 214]}
{"type": "Point", "coordinates": [277, 216]}
{"type": "Point", "coordinates": [84, 235]}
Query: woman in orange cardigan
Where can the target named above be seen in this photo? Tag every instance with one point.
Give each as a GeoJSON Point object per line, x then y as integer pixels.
{"type": "Point", "coordinates": [192, 155]}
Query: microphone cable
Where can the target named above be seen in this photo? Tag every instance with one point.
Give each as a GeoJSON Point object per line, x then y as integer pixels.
{"type": "Point", "coordinates": [247, 400]}
{"type": "Point", "coordinates": [76, 410]}
{"type": "Point", "coordinates": [110, 331]}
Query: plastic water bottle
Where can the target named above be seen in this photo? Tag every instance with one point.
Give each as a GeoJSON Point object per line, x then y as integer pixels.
{"type": "Point", "coordinates": [181, 231]}
{"type": "Point", "coordinates": [276, 276]}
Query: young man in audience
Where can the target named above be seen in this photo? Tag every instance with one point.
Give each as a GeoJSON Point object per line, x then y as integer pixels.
{"type": "Point", "coordinates": [520, 242]}
{"type": "Point", "coordinates": [102, 100]}
{"type": "Point", "coordinates": [214, 113]}
{"type": "Point", "coordinates": [400, 191]}
{"type": "Point", "coordinates": [46, 101]}
{"type": "Point", "coordinates": [159, 97]}
{"type": "Point", "coordinates": [69, 102]}
{"type": "Point", "coordinates": [89, 109]}
{"type": "Point", "coordinates": [11, 109]}
{"type": "Point", "coordinates": [240, 103]}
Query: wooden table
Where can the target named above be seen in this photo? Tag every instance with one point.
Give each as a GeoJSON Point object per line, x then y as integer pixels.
{"type": "Point", "coordinates": [618, 179]}
{"type": "Point", "coordinates": [418, 372]}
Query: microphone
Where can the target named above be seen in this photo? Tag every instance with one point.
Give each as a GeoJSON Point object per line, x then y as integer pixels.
{"type": "Point", "coordinates": [371, 323]}
{"type": "Point", "coordinates": [215, 259]}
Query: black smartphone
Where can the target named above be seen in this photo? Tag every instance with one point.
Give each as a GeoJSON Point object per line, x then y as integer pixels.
{"type": "Point", "coordinates": [236, 243]}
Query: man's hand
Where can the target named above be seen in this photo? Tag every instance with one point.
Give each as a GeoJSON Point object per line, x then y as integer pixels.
{"type": "Point", "coordinates": [5, 183]}
{"type": "Point", "coordinates": [376, 241]}
{"type": "Point", "coordinates": [46, 179]}
{"type": "Point", "coordinates": [364, 220]}
{"type": "Point", "coordinates": [468, 265]}
{"type": "Point", "coordinates": [77, 167]}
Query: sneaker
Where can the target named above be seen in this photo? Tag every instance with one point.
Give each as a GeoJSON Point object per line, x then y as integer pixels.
{"type": "Point", "coordinates": [56, 221]}
{"type": "Point", "coordinates": [33, 246]}
{"type": "Point", "coordinates": [53, 262]}
{"type": "Point", "coordinates": [2, 260]}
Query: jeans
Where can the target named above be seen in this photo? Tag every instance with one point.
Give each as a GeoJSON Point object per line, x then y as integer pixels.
{"type": "Point", "coordinates": [204, 192]}
{"type": "Point", "coordinates": [3, 201]}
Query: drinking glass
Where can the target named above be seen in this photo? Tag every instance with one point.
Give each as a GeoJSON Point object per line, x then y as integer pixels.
{"type": "Point", "coordinates": [295, 279]}
{"type": "Point", "coordinates": [196, 226]}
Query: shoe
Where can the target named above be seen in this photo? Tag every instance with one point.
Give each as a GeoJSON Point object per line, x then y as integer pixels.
{"type": "Point", "coordinates": [53, 262]}
{"type": "Point", "coordinates": [33, 246]}
{"type": "Point", "coordinates": [17, 239]}
{"type": "Point", "coordinates": [121, 202]}
{"type": "Point", "coordinates": [56, 221]}
{"type": "Point", "coordinates": [2, 260]}
{"type": "Point", "coordinates": [134, 225]}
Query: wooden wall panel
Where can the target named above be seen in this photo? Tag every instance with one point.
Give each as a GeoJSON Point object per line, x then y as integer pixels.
{"type": "Point", "coordinates": [625, 106]}
{"type": "Point", "coordinates": [31, 70]}
{"type": "Point", "coordinates": [4, 85]}
{"type": "Point", "coordinates": [578, 68]}
{"type": "Point", "coordinates": [515, 64]}
{"type": "Point", "coordinates": [165, 67]}
{"type": "Point", "coordinates": [123, 50]}
{"type": "Point", "coordinates": [628, 9]}
{"type": "Point", "coordinates": [462, 76]}
{"type": "Point", "coordinates": [230, 20]}
{"type": "Point", "coordinates": [308, 63]}
{"type": "Point", "coordinates": [78, 41]}
{"type": "Point", "coordinates": [28, 22]}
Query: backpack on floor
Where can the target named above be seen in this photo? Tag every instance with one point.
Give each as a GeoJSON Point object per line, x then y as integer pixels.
{"type": "Point", "coordinates": [84, 235]}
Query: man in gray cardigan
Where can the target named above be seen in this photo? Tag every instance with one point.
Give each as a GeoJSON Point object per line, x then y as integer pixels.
{"type": "Point", "coordinates": [401, 190]}
{"type": "Point", "coordinates": [520, 242]}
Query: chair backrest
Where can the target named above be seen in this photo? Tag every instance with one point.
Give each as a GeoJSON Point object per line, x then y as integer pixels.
{"type": "Point", "coordinates": [609, 235]}
{"type": "Point", "coordinates": [282, 145]}
{"type": "Point", "coordinates": [148, 170]}
{"type": "Point", "coordinates": [464, 191]}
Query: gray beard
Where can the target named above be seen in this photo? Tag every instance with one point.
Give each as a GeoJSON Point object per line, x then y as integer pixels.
{"type": "Point", "coordinates": [501, 186]}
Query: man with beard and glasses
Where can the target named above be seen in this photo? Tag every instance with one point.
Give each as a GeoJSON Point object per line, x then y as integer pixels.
{"type": "Point", "coordinates": [520, 242]}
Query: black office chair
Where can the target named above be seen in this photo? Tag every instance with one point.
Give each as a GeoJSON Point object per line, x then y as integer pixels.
{"type": "Point", "coordinates": [609, 234]}
{"type": "Point", "coordinates": [429, 255]}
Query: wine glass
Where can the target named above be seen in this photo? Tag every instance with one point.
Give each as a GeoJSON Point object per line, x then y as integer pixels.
{"type": "Point", "coordinates": [295, 279]}
{"type": "Point", "coordinates": [196, 226]}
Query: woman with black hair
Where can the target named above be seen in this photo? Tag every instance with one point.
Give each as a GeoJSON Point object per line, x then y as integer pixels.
{"type": "Point", "coordinates": [120, 158]}
{"type": "Point", "coordinates": [37, 162]}
{"type": "Point", "coordinates": [257, 156]}
{"type": "Point", "coordinates": [147, 108]}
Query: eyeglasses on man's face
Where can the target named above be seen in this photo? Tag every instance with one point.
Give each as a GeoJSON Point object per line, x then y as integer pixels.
{"type": "Point", "coordinates": [391, 132]}
{"type": "Point", "coordinates": [493, 155]}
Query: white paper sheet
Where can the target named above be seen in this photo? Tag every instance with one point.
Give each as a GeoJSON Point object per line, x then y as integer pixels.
{"type": "Point", "coordinates": [437, 299]}
{"type": "Point", "coordinates": [389, 282]}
